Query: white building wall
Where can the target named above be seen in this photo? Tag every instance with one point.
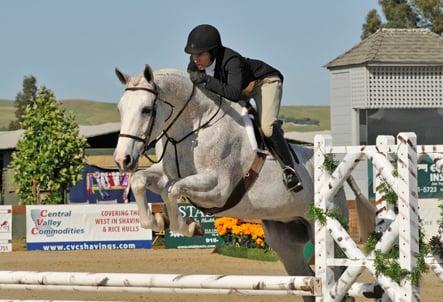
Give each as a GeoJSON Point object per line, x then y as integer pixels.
{"type": "Point", "coordinates": [347, 86]}
{"type": "Point", "coordinates": [359, 87]}
{"type": "Point", "coordinates": [341, 107]}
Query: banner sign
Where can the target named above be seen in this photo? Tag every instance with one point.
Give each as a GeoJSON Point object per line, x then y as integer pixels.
{"type": "Point", "coordinates": [85, 227]}
{"type": "Point", "coordinates": [208, 240]}
{"type": "Point", "coordinates": [5, 229]}
{"type": "Point", "coordinates": [430, 181]}
{"type": "Point", "coordinates": [105, 186]}
{"type": "Point", "coordinates": [430, 193]}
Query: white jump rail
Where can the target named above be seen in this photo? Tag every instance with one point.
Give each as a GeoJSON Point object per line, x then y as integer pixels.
{"type": "Point", "coordinates": [177, 282]}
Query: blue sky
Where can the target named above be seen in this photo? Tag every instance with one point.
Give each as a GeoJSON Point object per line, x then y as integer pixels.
{"type": "Point", "coordinates": [72, 47]}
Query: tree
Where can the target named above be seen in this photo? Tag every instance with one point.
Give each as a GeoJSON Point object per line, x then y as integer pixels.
{"type": "Point", "coordinates": [373, 23]}
{"type": "Point", "coordinates": [51, 155]}
{"type": "Point", "coordinates": [398, 13]}
{"type": "Point", "coordinates": [23, 99]}
{"type": "Point", "coordinates": [406, 14]}
{"type": "Point", "coordinates": [432, 11]}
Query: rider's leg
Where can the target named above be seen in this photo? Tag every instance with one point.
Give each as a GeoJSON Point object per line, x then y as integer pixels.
{"type": "Point", "coordinates": [267, 95]}
{"type": "Point", "coordinates": [280, 150]}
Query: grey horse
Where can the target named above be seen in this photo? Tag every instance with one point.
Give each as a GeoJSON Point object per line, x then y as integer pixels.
{"type": "Point", "coordinates": [205, 151]}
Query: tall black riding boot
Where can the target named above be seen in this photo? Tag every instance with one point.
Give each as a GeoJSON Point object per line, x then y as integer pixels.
{"type": "Point", "coordinates": [280, 149]}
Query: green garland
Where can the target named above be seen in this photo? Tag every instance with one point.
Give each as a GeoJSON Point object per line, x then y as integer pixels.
{"type": "Point", "coordinates": [371, 242]}
{"type": "Point", "coordinates": [330, 164]}
{"type": "Point", "coordinates": [435, 244]}
{"type": "Point", "coordinates": [389, 195]}
{"type": "Point", "coordinates": [321, 215]}
{"type": "Point", "coordinates": [385, 263]}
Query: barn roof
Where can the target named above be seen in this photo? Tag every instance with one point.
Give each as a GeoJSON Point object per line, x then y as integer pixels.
{"type": "Point", "coordinates": [9, 139]}
{"type": "Point", "coordinates": [413, 46]}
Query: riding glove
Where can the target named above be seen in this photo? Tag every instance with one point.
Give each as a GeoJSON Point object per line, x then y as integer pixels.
{"type": "Point", "coordinates": [198, 77]}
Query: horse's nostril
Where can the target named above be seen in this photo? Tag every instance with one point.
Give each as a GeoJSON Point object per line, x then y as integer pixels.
{"type": "Point", "coordinates": [127, 161]}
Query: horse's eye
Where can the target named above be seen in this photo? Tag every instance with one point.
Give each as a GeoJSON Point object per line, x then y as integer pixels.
{"type": "Point", "coordinates": [146, 110]}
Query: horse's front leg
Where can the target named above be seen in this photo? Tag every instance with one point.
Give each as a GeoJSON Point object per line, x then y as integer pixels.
{"type": "Point", "coordinates": [198, 187]}
{"type": "Point", "coordinates": [154, 179]}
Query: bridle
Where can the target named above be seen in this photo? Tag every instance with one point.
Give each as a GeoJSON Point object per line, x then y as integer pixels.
{"type": "Point", "coordinates": [145, 140]}
{"type": "Point", "coordinates": [242, 185]}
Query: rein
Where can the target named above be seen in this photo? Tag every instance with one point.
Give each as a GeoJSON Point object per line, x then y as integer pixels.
{"type": "Point", "coordinates": [243, 185]}
{"type": "Point", "coordinates": [148, 145]}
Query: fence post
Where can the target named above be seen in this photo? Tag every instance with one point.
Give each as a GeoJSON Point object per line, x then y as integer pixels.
{"type": "Point", "coordinates": [408, 209]}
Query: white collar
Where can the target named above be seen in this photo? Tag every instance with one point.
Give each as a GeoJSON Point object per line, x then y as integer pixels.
{"type": "Point", "coordinates": [210, 70]}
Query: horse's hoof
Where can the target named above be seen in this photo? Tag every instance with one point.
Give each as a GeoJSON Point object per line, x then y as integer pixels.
{"type": "Point", "coordinates": [145, 224]}
{"type": "Point", "coordinates": [161, 222]}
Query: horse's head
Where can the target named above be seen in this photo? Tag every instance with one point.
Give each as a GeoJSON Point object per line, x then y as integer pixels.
{"type": "Point", "coordinates": [138, 109]}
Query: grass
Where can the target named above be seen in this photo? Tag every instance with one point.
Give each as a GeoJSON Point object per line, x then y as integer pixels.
{"type": "Point", "coordinates": [88, 112]}
{"type": "Point", "coordinates": [91, 113]}
{"type": "Point", "coordinates": [6, 103]}
{"type": "Point", "coordinates": [7, 113]}
{"type": "Point", "coordinates": [320, 113]}
{"type": "Point", "coordinates": [248, 253]}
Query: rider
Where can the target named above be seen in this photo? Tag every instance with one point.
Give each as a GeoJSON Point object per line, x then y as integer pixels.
{"type": "Point", "coordinates": [227, 73]}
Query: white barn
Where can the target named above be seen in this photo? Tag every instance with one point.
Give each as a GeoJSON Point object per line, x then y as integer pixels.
{"type": "Point", "coordinates": [390, 82]}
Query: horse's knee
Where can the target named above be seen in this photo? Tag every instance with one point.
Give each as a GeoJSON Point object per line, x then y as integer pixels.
{"type": "Point", "coordinates": [138, 183]}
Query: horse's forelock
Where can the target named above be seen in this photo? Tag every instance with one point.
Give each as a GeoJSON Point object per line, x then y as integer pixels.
{"type": "Point", "coordinates": [138, 81]}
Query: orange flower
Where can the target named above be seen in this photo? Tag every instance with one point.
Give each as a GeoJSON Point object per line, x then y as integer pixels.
{"type": "Point", "coordinates": [243, 231]}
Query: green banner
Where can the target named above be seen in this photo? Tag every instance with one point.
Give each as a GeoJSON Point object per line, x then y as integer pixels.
{"type": "Point", "coordinates": [208, 240]}
{"type": "Point", "coordinates": [430, 181]}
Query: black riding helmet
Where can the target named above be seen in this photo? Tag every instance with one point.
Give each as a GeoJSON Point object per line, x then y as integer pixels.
{"type": "Point", "coordinates": [202, 38]}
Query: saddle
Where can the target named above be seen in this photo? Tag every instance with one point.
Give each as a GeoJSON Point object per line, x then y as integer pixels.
{"type": "Point", "coordinates": [258, 141]}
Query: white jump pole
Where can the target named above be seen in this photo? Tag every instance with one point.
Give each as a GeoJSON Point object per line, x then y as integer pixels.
{"type": "Point", "coordinates": [357, 290]}
{"type": "Point", "coordinates": [154, 290]}
{"type": "Point", "coordinates": [235, 282]}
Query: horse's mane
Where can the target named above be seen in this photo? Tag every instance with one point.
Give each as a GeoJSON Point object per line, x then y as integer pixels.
{"type": "Point", "coordinates": [183, 77]}
{"type": "Point", "coordinates": [171, 72]}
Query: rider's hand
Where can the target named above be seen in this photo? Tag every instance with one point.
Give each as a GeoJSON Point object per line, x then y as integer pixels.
{"type": "Point", "coordinates": [198, 77]}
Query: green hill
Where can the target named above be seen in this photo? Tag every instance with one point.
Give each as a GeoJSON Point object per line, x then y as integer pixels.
{"type": "Point", "coordinates": [7, 111]}
{"type": "Point", "coordinates": [89, 112]}
{"type": "Point", "coordinates": [318, 113]}
{"type": "Point", "coordinates": [6, 103]}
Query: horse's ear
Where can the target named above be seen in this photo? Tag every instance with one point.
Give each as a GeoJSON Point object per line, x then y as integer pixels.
{"type": "Point", "coordinates": [149, 76]}
{"type": "Point", "coordinates": [121, 76]}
